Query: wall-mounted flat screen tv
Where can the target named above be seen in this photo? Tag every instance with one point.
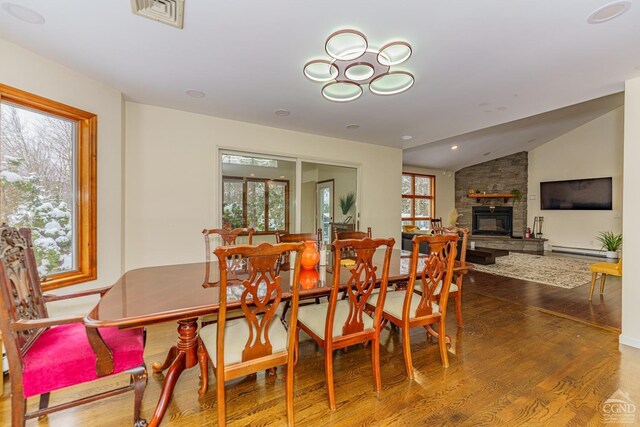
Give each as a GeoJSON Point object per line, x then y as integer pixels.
{"type": "Point", "coordinates": [577, 194]}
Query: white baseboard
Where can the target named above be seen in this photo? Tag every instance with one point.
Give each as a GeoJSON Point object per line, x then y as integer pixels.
{"type": "Point", "coordinates": [631, 342]}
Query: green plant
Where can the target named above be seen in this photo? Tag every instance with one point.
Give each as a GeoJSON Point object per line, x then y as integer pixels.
{"type": "Point", "coordinates": [609, 240]}
{"type": "Point", "coordinates": [347, 202]}
{"type": "Point", "coordinates": [517, 195]}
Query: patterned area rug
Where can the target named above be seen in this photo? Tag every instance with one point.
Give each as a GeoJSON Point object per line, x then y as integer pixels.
{"type": "Point", "coordinates": [563, 272]}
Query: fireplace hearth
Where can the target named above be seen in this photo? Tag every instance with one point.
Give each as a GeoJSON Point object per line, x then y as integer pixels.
{"type": "Point", "coordinates": [492, 220]}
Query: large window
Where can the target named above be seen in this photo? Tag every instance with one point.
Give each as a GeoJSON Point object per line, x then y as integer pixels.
{"type": "Point", "coordinates": [262, 204]}
{"type": "Point", "coordinates": [47, 177]}
{"type": "Point", "coordinates": [418, 199]}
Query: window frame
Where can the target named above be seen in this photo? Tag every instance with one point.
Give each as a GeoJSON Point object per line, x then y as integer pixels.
{"type": "Point", "coordinates": [413, 197]}
{"type": "Point", "coordinates": [266, 181]}
{"type": "Point", "coordinates": [85, 185]}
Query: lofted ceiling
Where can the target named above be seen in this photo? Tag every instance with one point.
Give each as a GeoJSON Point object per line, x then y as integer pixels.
{"type": "Point", "coordinates": [477, 67]}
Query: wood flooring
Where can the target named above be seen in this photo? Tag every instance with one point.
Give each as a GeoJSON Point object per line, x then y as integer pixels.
{"type": "Point", "coordinates": [511, 364]}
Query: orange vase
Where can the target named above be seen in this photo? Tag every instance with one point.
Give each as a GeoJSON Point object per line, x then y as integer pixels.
{"type": "Point", "coordinates": [310, 256]}
{"type": "Point", "coordinates": [309, 279]}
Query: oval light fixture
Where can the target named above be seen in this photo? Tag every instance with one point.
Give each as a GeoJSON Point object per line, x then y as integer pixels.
{"type": "Point", "coordinates": [609, 12]}
{"type": "Point", "coordinates": [346, 45]}
{"type": "Point", "coordinates": [194, 93]}
{"type": "Point", "coordinates": [23, 13]}
{"type": "Point", "coordinates": [359, 71]}
{"type": "Point", "coordinates": [391, 83]}
{"type": "Point", "coordinates": [342, 91]}
{"type": "Point", "coordinates": [394, 53]}
{"type": "Point", "coordinates": [320, 70]}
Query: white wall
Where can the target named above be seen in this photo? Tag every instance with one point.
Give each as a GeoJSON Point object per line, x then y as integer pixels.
{"type": "Point", "coordinates": [445, 190]}
{"type": "Point", "coordinates": [631, 231]}
{"type": "Point", "coordinates": [172, 178]}
{"type": "Point", "coordinates": [25, 70]}
{"type": "Point", "coordinates": [593, 150]}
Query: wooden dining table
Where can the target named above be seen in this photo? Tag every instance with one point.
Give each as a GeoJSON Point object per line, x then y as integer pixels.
{"type": "Point", "coordinates": [183, 293]}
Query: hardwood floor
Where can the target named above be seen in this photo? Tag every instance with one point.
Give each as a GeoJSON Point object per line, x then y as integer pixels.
{"type": "Point", "coordinates": [510, 365]}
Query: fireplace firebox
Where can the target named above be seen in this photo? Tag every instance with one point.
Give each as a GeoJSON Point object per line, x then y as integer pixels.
{"type": "Point", "coordinates": [492, 220]}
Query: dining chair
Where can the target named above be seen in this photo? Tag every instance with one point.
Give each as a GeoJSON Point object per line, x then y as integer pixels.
{"type": "Point", "coordinates": [258, 340]}
{"type": "Point", "coordinates": [341, 323]}
{"type": "Point", "coordinates": [455, 291]}
{"type": "Point", "coordinates": [342, 235]}
{"type": "Point", "coordinates": [48, 354]}
{"type": "Point", "coordinates": [228, 236]}
{"type": "Point", "coordinates": [436, 222]}
{"type": "Point", "coordinates": [296, 237]}
{"type": "Point", "coordinates": [407, 309]}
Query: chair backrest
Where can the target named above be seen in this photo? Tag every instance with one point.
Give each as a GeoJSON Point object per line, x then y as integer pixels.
{"type": "Point", "coordinates": [360, 284]}
{"type": "Point", "coordinates": [342, 235]}
{"type": "Point", "coordinates": [20, 293]}
{"type": "Point", "coordinates": [261, 293]}
{"type": "Point", "coordinates": [463, 233]}
{"type": "Point", "coordinates": [227, 235]}
{"type": "Point", "coordinates": [299, 237]}
{"type": "Point", "coordinates": [436, 222]}
{"type": "Point", "coordinates": [437, 267]}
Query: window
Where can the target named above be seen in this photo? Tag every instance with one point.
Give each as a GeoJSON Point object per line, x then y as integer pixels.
{"type": "Point", "coordinates": [233, 159]}
{"type": "Point", "coordinates": [418, 199]}
{"type": "Point", "coordinates": [262, 204]}
{"type": "Point", "coordinates": [47, 177]}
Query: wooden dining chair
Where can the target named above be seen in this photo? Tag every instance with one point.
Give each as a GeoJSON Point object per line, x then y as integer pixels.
{"type": "Point", "coordinates": [296, 237]}
{"type": "Point", "coordinates": [343, 235]}
{"type": "Point", "coordinates": [228, 236]}
{"type": "Point", "coordinates": [48, 354]}
{"type": "Point", "coordinates": [341, 323]}
{"type": "Point", "coordinates": [258, 340]}
{"type": "Point", "coordinates": [407, 309]}
{"type": "Point", "coordinates": [436, 222]}
{"type": "Point", "coordinates": [455, 291]}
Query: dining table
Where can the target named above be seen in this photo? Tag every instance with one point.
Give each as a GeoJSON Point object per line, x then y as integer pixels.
{"type": "Point", "coordinates": [183, 293]}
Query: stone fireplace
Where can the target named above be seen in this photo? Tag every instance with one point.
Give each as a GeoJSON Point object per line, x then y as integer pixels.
{"type": "Point", "coordinates": [492, 220]}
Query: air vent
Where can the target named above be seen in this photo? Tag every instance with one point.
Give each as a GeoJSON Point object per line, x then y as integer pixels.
{"type": "Point", "coordinates": [170, 12]}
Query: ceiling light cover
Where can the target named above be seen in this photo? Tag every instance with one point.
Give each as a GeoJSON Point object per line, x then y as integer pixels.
{"type": "Point", "coordinates": [391, 83]}
{"type": "Point", "coordinates": [170, 12]}
{"type": "Point", "coordinates": [407, 137]}
{"type": "Point", "coordinates": [282, 113]}
{"type": "Point", "coordinates": [354, 64]}
{"type": "Point", "coordinates": [342, 91]}
{"type": "Point", "coordinates": [23, 13]}
{"type": "Point", "coordinates": [346, 45]}
{"type": "Point", "coordinates": [394, 53]}
{"type": "Point", "coordinates": [609, 12]}
{"type": "Point", "coordinates": [194, 93]}
{"type": "Point", "coordinates": [320, 70]}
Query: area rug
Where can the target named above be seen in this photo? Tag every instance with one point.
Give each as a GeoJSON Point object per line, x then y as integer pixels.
{"type": "Point", "coordinates": [563, 272]}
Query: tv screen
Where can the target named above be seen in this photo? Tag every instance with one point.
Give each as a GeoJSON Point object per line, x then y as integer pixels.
{"type": "Point", "coordinates": [579, 194]}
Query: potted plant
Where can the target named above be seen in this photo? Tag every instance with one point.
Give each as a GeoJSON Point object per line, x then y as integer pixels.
{"type": "Point", "coordinates": [611, 242]}
{"type": "Point", "coordinates": [517, 195]}
{"type": "Point", "coordinates": [347, 202]}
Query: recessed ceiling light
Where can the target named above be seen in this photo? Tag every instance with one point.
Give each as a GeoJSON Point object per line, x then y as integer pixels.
{"type": "Point", "coordinates": [487, 153]}
{"type": "Point", "coordinates": [407, 137]}
{"type": "Point", "coordinates": [531, 140]}
{"type": "Point", "coordinates": [23, 13]}
{"type": "Point", "coordinates": [455, 147]}
{"type": "Point", "coordinates": [609, 12]}
{"type": "Point", "coordinates": [353, 126]}
{"type": "Point", "coordinates": [194, 93]}
{"type": "Point", "coordinates": [282, 113]}
{"type": "Point", "coordinates": [252, 174]}
{"type": "Point", "coordinates": [483, 104]}
{"type": "Point", "coordinates": [281, 176]}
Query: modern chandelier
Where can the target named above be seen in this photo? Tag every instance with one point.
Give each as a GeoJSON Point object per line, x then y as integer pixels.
{"type": "Point", "coordinates": [354, 64]}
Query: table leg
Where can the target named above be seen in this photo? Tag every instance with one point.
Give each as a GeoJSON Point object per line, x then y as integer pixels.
{"type": "Point", "coordinates": [185, 357]}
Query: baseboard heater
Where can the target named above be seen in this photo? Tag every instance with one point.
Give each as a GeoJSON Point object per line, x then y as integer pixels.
{"type": "Point", "coordinates": [578, 251]}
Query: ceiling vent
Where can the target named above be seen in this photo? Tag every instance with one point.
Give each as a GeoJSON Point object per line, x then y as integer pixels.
{"type": "Point", "coordinates": [170, 12]}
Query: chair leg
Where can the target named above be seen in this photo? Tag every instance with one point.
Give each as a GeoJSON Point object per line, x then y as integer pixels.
{"type": "Point", "coordinates": [442, 342]}
{"type": "Point", "coordinates": [328, 376]}
{"type": "Point", "coordinates": [375, 363]}
{"type": "Point", "coordinates": [139, 384]}
{"type": "Point", "coordinates": [222, 414]}
{"type": "Point", "coordinates": [18, 409]}
{"type": "Point", "coordinates": [406, 350]}
{"type": "Point", "coordinates": [44, 400]}
{"type": "Point", "coordinates": [594, 276]}
{"type": "Point", "coordinates": [289, 393]}
{"type": "Point", "coordinates": [459, 309]}
{"type": "Point", "coordinates": [283, 318]}
{"type": "Point", "coordinates": [203, 361]}
{"type": "Point", "coordinates": [602, 280]}
{"type": "Point", "coordinates": [296, 348]}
